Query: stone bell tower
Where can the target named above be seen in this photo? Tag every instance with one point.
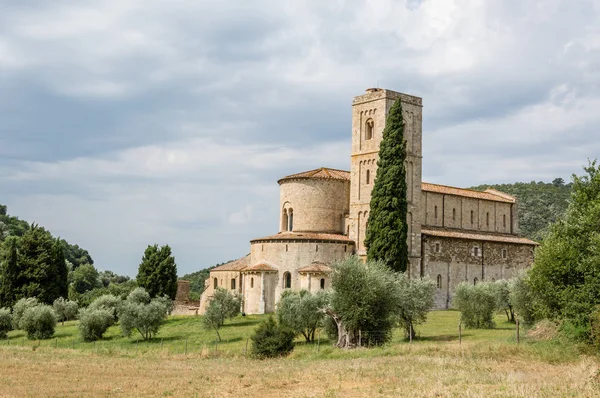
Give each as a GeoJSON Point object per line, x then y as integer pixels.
{"type": "Point", "coordinates": [369, 114]}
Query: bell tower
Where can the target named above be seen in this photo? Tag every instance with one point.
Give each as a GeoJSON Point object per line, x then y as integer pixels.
{"type": "Point", "coordinates": [369, 114]}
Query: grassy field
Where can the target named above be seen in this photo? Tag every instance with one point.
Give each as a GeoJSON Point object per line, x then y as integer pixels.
{"type": "Point", "coordinates": [488, 363]}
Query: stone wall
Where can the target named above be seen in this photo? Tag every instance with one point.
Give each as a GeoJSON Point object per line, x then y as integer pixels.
{"type": "Point", "coordinates": [223, 279]}
{"type": "Point", "coordinates": [318, 205]}
{"type": "Point", "coordinates": [452, 261]}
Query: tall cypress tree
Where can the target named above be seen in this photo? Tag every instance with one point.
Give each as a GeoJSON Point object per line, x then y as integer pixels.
{"type": "Point", "coordinates": [157, 272]}
{"type": "Point", "coordinates": [387, 229]}
{"type": "Point", "coordinates": [9, 261]}
{"type": "Point", "coordinates": [58, 284]}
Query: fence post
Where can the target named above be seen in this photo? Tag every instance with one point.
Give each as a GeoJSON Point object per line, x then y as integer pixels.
{"type": "Point", "coordinates": [517, 325]}
{"type": "Point", "coordinates": [359, 338]}
{"type": "Point", "coordinates": [55, 342]}
{"type": "Point", "coordinates": [216, 346]}
{"type": "Point", "coordinates": [161, 344]}
{"type": "Point", "coordinates": [410, 333]}
{"type": "Point", "coordinates": [319, 341]}
{"type": "Point", "coordinates": [460, 333]}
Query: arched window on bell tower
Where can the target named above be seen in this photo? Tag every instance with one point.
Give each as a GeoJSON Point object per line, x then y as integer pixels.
{"type": "Point", "coordinates": [369, 126]}
{"type": "Point", "coordinates": [368, 177]}
{"type": "Point", "coordinates": [290, 220]}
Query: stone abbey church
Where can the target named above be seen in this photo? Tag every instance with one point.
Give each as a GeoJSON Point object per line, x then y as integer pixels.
{"type": "Point", "coordinates": [454, 234]}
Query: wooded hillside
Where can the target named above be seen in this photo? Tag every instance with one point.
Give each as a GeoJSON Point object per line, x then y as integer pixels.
{"type": "Point", "coordinates": [13, 226]}
{"type": "Point", "coordinates": [540, 203]}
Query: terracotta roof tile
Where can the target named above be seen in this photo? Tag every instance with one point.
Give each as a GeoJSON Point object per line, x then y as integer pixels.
{"type": "Point", "coordinates": [235, 265]}
{"type": "Point", "coordinates": [316, 268]}
{"type": "Point", "coordinates": [260, 268]}
{"type": "Point", "coordinates": [490, 194]}
{"type": "Point", "coordinates": [322, 173]}
{"type": "Point", "coordinates": [490, 237]}
{"type": "Point", "coordinates": [306, 236]}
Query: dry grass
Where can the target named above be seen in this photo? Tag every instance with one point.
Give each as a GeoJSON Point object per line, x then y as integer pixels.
{"type": "Point", "coordinates": [418, 370]}
{"type": "Point", "coordinates": [487, 364]}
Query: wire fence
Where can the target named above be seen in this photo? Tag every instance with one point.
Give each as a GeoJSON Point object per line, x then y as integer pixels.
{"type": "Point", "coordinates": [238, 346]}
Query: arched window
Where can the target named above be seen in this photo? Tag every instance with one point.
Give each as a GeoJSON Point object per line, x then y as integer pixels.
{"type": "Point", "coordinates": [251, 283]}
{"type": "Point", "coordinates": [287, 280]}
{"type": "Point", "coordinates": [475, 280]}
{"type": "Point", "coordinates": [322, 283]}
{"type": "Point", "coordinates": [368, 177]}
{"type": "Point", "coordinates": [369, 126]}
{"type": "Point", "coordinates": [504, 220]}
{"type": "Point", "coordinates": [453, 214]}
{"type": "Point", "coordinates": [233, 284]}
{"type": "Point", "coordinates": [476, 251]}
{"type": "Point", "coordinates": [487, 219]}
{"type": "Point", "coordinates": [215, 283]}
{"type": "Point", "coordinates": [439, 281]}
{"type": "Point", "coordinates": [284, 220]}
{"type": "Point", "coordinates": [435, 212]}
{"type": "Point", "coordinates": [472, 217]}
{"type": "Point", "coordinates": [291, 220]}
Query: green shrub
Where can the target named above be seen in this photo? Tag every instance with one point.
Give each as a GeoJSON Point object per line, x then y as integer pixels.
{"type": "Point", "coordinates": [39, 322]}
{"type": "Point", "coordinates": [5, 322]}
{"type": "Point", "coordinates": [223, 305]}
{"type": "Point", "coordinates": [65, 309]}
{"type": "Point", "coordinates": [476, 304]}
{"type": "Point", "coordinates": [109, 303]}
{"type": "Point", "coordinates": [140, 313]}
{"type": "Point", "coordinates": [522, 298]}
{"type": "Point", "coordinates": [94, 322]}
{"type": "Point", "coordinates": [302, 311]}
{"type": "Point", "coordinates": [271, 340]}
{"type": "Point", "coordinates": [19, 309]}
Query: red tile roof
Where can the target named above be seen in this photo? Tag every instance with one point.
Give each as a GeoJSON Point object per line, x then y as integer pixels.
{"type": "Point", "coordinates": [235, 265]}
{"type": "Point", "coordinates": [306, 236]}
{"type": "Point", "coordinates": [316, 268]}
{"type": "Point", "coordinates": [490, 237]}
{"type": "Point", "coordinates": [490, 194]}
{"type": "Point", "coordinates": [323, 173]}
{"type": "Point", "coordinates": [262, 267]}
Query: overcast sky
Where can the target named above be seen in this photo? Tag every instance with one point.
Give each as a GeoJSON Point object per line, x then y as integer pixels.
{"type": "Point", "coordinates": [125, 123]}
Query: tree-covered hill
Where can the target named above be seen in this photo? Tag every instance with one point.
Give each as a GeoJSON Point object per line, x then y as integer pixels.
{"type": "Point", "coordinates": [13, 226]}
{"type": "Point", "coordinates": [540, 203]}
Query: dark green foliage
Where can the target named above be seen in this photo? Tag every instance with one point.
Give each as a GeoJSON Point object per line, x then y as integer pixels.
{"type": "Point", "coordinates": [10, 271]}
{"type": "Point", "coordinates": [302, 311]}
{"type": "Point", "coordinates": [222, 306]}
{"type": "Point", "coordinates": [84, 279]}
{"type": "Point", "coordinates": [108, 277]}
{"type": "Point", "coordinates": [363, 302]}
{"type": "Point", "coordinates": [197, 280]}
{"type": "Point", "coordinates": [565, 277]}
{"type": "Point", "coordinates": [75, 254]}
{"type": "Point", "coordinates": [5, 322]}
{"type": "Point", "coordinates": [39, 322]}
{"type": "Point", "coordinates": [42, 269]}
{"type": "Point", "coordinates": [157, 272]}
{"type": "Point", "coordinates": [271, 340]}
{"type": "Point", "coordinates": [119, 290]}
{"type": "Point", "coordinates": [387, 228]}
{"type": "Point", "coordinates": [12, 226]}
{"type": "Point", "coordinates": [93, 323]}
{"type": "Point", "coordinates": [540, 204]}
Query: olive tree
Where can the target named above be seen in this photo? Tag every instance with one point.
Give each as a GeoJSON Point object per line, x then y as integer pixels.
{"type": "Point", "coordinates": [19, 309]}
{"type": "Point", "coordinates": [39, 322]}
{"type": "Point", "coordinates": [223, 305]}
{"type": "Point", "coordinates": [476, 304]}
{"type": "Point", "coordinates": [501, 290]}
{"type": "Point", "coordinates": [109, 303]}
{"type": "Point", "coordinates": [141, 313]}
{"type": "Point", "coordinates": [5, 321]}
{"type": "Point", "coordinates": [522, 299]}
{"type": "Point", "coordinates": [363, 302]}
{"type": "Point", "coordinates": [414, 299]}
{"type": "Point", "coordinates": [302, 311]}
{"type": "Point", "coordinates": [65, 309]}
{"type": "Point", "coordinates": [93, 323]}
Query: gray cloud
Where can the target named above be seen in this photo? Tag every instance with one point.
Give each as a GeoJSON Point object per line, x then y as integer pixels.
{"type": "Point", "coordinates": [125, 123]}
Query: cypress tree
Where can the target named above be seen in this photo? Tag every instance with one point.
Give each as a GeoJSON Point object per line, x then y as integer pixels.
{"type": "Point", "coordinates": [387, 229]}
{"type": "Point", "coordinates": [9, 260]}
{"type": "Point", "coordinates": [58, 276]}
{"type": "Point", "coordinates": [157, 272]}
{"type": "Point", "coordinates": [35, 277]}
